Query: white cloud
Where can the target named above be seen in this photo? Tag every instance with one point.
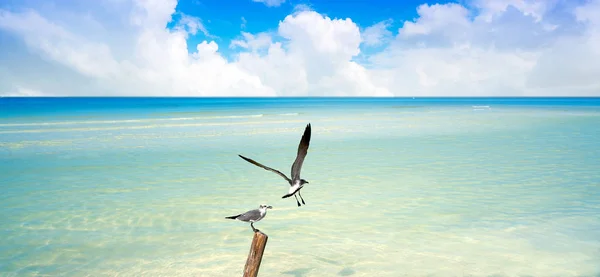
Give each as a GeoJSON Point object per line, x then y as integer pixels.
{"type": "Point", "coordinates": [159, 63]}
{"type": "Point", "coordinates": [535, 8]}
{"type": "Point", "coordinates": [315, 60]}
{"type": "Point", "coordinates": [377, 34]}
{"type": "Point", "coordinates": [56, 43]}
{"type": "Point", "coordinates": [437, 18]}
{"type": "Point", "coordinates": [193, 25]}
{"type": "Point", "coordinates": [252, 42]}
{"type": "Point", "coordinates": [270, 3]}
{"type": "Point", "coordinates": [573, 63]}
{"type": "Point", "coordinates": [491, 47]}
{"type": "Point", "coordinates": [446, 51]}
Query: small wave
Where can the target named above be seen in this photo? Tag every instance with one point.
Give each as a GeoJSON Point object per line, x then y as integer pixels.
{"type": "Point", "coordinates": [288, 114]}
{"type": "Point", "coordinates": [481, 108]}
{"type": "Point", "coordinates": [124, 120]}
{"type": "Point", "coordinates": [238, 116]}
{"type": "Point", "coordinates": [137, 127]}
{"type": "Point", "coordinates": [70, 122]}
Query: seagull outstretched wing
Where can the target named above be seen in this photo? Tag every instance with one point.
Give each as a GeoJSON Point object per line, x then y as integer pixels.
{"type": "Point", "coordinates": [302, 151]}
{"type": "Point", "coordinates": [266, 168]}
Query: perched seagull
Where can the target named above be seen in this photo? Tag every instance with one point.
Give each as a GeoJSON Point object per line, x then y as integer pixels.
{"type": "Point", "coordinates": [252, 216]}
{"type": "Point", "coordinates": [296, 183]}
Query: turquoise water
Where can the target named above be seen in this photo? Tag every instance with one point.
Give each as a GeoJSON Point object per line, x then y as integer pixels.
{"type": "Point", "coordinates": [398, 187]}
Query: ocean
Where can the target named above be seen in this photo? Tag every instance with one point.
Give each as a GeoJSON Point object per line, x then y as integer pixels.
{"type": "Point", "coordinates": [397, 186]}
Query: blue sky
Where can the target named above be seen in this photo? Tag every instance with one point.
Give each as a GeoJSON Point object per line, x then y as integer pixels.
{"type": "Point", "coordinates": [225, 21]}
{"type": "Point", "coordinates": [300, 48]}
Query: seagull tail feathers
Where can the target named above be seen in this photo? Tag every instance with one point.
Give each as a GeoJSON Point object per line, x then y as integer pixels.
{"type": "Point", "coordinates": [233, 216]}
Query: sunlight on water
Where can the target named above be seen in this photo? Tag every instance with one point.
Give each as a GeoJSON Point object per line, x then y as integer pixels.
{"type": "Point", "coordinates": [412, 191]}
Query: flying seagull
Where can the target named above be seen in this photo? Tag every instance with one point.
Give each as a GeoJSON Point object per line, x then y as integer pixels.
{"type": "Point", "coordinates": [296, 183]}
{"type": "Point", "coordinates": [252, 216]}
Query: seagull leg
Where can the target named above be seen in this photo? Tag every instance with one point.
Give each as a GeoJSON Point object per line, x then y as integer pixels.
{"type": "Point", "coordinates": [301, 197]}
{"type": "Point", "coordinates": [253, 229]}
{"type": "Point", "coordinates": [297, 200]}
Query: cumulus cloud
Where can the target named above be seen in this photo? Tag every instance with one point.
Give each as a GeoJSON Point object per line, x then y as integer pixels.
{"type": "Point", "coordinates": [484, 47]}
{"type": "Point", "coordinates": [158, 62]}
{"type": "Point", "coordinates": [315, 58]}
{"type": "Point", "coordinates": [507, 49]}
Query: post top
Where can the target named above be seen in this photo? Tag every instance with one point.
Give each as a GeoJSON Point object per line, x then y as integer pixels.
{"type": "Point", "coordinates": [259, 233]}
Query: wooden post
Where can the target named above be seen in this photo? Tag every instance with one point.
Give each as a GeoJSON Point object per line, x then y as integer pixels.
{"type": "Point", "coordinates": [255, 256]}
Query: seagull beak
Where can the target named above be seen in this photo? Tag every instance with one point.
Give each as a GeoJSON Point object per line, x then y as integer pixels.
{"type": "Point", "coordinates": [269, 207]}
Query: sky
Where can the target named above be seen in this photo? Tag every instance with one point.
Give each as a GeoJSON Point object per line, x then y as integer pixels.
{"type": "Point", "coordinates": [299, 48]}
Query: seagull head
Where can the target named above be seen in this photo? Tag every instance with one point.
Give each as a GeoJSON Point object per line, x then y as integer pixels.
{"type": "Point", "coordinates": [302, 182]}
{"type": "Point", "coordinates": [264, 206]}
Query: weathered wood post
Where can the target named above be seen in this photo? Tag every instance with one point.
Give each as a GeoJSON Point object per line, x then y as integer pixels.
{"type": "Point", "coordinates": [257, 248]}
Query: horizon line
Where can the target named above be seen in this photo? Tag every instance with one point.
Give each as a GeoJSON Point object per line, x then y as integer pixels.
{"type": "Point", "coordinates": [299, 97]}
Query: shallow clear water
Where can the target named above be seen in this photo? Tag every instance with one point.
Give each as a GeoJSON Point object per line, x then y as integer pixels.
{"type": "Point", "coordinates": [395, 189]}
